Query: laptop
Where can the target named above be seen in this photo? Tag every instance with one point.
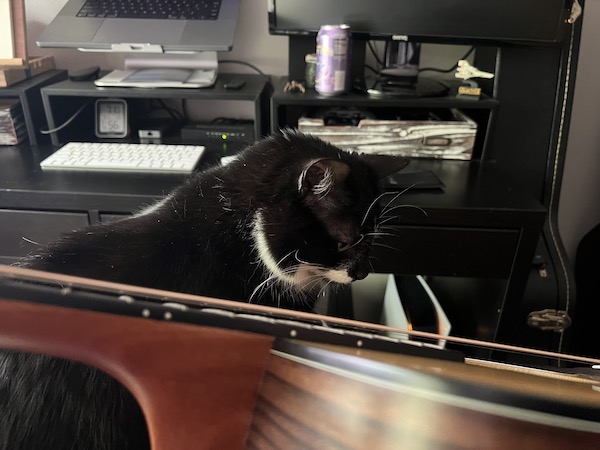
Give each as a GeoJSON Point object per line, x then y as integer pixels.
{"type": "Point", "coordinates": [209, 26]}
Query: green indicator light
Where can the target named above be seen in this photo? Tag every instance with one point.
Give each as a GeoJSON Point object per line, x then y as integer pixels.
{"type": "Point", "coordinates": [224, 136]}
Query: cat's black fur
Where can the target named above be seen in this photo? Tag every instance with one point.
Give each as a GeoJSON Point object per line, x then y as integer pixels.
{"type": "Point", "coordinates": [289, 216]}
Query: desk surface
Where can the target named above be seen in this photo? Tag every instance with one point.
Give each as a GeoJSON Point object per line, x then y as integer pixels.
{"type": "Point", "coordinates": [473, 186]}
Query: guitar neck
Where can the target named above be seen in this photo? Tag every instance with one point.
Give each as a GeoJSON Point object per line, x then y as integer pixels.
{"type": "Point", "coordinates": [166, 306]}
{"type": "Point", "coordinates": [77, 292]}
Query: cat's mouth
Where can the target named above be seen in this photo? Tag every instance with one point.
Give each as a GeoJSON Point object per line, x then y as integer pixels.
{"type": "Point", "coordinates": [308, 276]}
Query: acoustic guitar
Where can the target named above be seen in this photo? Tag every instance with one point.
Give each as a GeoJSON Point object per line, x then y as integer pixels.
{"type": "Point", "coordinates": [210, 373]}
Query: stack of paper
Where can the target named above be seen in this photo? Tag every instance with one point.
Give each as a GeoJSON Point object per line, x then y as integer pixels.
{"type": "Point", "coordinates": [12, 123]}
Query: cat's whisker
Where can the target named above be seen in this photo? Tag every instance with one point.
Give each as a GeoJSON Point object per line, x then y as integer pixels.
{"type": "Point", "coordinates": [297, 257]}
{"type": "Point", "coordinates": [324, 288]}
{"type": "Point", "coordinates": [257, 265]}
{"type": "Point", "coordinates": [286, 256]}
{"type": "Point", "coordinates": [384, 209]}
{"type": "Point", "coordinates": [262, 286]}
{"type": "Point", "coordinates": [377, 234]}
{"type": "Point", "coordinates": [385, 220]}
{"type": "Point", "coordinates": [371, 265]}
{"type": "Point", "coordinates": [361, 238]}
{"type": "Point", "coordinates": [174, 205]}
{"type": "Point", "coordinates": [372, 205]}
{"type": "Point", "coordinates": [386, 227]}
{"type": "Point", "coordinates": [374, 257]}
{"type": "Point", "coordinates": [393, 208]}
{"type": "Point", "coordinates": [378, 244]}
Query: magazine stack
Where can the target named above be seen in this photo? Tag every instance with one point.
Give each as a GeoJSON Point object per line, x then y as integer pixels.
{"type": "Point", "coordinates": [12, 123]}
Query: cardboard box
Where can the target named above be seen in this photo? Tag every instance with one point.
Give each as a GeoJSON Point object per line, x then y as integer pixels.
{"type": "Point", "coordinates": [17, 69]}
{"type": "Point", "coordinates": [40, 64]}
{"type": "Point", "coordinates": [451, 138]}
{"type": "Point", "coordinates": [10, 75]}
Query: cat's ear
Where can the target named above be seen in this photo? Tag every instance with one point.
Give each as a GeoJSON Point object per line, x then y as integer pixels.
{"type": "Point", "coordinates": [322, 176]}
{"type": "Point", "coordinates": [384, 165]}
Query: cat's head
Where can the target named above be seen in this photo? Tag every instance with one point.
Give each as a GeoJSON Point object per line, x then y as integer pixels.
{"type": "Point", "coordinates": [321, 227]}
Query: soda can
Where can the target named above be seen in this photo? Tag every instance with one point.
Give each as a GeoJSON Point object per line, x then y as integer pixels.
{"type": "Point", "coordinates": [332, 76]}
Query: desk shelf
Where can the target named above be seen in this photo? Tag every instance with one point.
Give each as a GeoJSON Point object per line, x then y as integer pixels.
{"type": "Point", "coordinates": [288, 107]}
{"type": "Point", "coordinates": [62, 100]}
{"type": "Point", "coordinates": [28, 93]}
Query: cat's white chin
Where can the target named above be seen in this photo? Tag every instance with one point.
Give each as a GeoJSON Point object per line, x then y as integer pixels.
{"type": "Point", "coordinates": [308, 276]}
{"type": "Point", "coordinates": [338, 276]}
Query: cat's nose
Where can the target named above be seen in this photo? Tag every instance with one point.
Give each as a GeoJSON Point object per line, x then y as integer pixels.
{"type": "Point", "coordinates": [358, 272]}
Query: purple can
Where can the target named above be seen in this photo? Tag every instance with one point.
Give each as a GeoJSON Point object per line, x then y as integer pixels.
{"type": "Point", "coordinates": [332, 76]}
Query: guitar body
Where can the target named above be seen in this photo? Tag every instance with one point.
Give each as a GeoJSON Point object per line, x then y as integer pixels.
{"type": "Point", "coordinates": [207, 387]}
{"type": "Point", "coordinates": [304, 403]}
{"type": "Point", "coordinates": [196, 386]}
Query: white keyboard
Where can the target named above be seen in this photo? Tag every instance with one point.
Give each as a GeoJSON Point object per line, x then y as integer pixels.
{"type": "Point", "coordinates": [123, 157]}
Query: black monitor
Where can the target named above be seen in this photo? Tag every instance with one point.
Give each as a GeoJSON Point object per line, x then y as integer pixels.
{"type": "Point", "coordinates": [444, 21]}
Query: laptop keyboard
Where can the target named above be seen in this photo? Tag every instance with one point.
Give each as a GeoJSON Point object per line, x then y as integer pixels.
{"type": "Point", "coordinates": [152, 9]}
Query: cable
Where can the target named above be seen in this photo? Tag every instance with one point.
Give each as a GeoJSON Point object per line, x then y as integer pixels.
{"type": "Point", "coordinates": [433, 69]}
{"type": "Point", "coordinates": [244, 63]}
{"type": "Point", "coordinates": [67, 122]}
{"type": "Point", "coordinates": [372, 69]}
{"type": "Point", "coordinates": [380, 63]}
{"type": "Point", "coordinates": [175, 115]}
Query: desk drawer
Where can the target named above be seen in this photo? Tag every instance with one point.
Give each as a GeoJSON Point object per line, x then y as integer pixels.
{"type": "Point", "coordinates": [22, 231]}
{"type": "Point", "coordinates": [464, 252]}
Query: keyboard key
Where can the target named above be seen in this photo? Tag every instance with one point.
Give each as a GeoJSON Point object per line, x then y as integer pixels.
{"type": "Point", "coordinates": [148, 9]}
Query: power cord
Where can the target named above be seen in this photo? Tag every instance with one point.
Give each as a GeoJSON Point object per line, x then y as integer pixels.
{"type": "Point", "coordinates": [252, 66]}
{"type": "Point", "coordinates": [451, 69]}
{"type": "Point", "coordinates": [67, 122]}
{"type": "Point", "coordinates": [380, 62]}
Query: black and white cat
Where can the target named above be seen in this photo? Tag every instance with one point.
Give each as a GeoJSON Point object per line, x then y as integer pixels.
{"type": "Point", "coordinates": [289, 216]}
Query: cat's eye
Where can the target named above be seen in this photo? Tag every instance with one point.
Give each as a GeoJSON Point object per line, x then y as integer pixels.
{"type": "Point", "coordinates": [344, 246]}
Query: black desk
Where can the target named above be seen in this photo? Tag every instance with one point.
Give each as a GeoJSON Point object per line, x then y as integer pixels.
{"type": "Point", "coordinates": [475, 241]}
{"type": "Point", "coordinates": [482, 226]}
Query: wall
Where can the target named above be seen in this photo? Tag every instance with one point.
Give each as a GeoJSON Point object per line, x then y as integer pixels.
{"type": "Point", "coordinates": [579, 209]}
